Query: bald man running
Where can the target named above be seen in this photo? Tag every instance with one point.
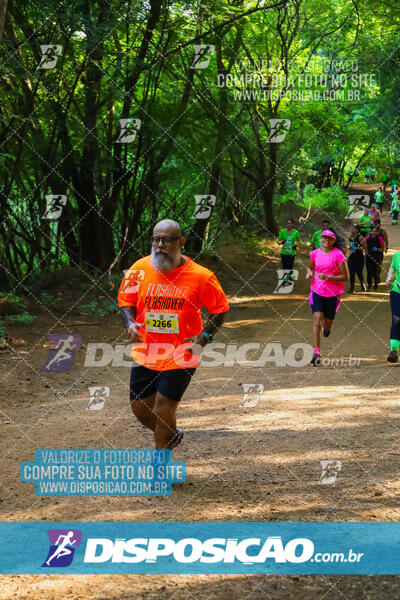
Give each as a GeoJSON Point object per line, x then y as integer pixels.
{"type": "Point", "coordinates": [160, 299]}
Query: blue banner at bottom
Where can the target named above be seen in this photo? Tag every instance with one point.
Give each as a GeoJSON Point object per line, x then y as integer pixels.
{"type": "Point", "coordinates": [208, 548]}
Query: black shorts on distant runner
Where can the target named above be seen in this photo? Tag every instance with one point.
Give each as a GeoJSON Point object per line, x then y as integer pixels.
{"type": "Point", "coordinates": [325, 304]}
{"type": "Point", "coordinates": [172, 384]}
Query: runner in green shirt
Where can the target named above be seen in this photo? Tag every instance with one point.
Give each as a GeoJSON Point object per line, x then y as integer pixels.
{"type": "Point", "coordinates": [367, 173]}
{"type": "Point", "coordinates": [288, 238]}
{"type": "Point", "coordinates": [373, 173]}
{"type": "Point", "coordinates": [394, 270]}
{"type": "Point", "coordinates": [379, 195]}
{"type": "Point", "coordinates": [395, 209]}
{"type": "Point", "coordinates": [365, 222]}
{"type": "Point", "coordinates": [315, 240]}
{"type": "Point", "coordinates": [350, 173]}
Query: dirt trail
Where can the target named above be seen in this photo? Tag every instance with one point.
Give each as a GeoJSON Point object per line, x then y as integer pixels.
{"type": "Point", "coordinates": [244, 464]}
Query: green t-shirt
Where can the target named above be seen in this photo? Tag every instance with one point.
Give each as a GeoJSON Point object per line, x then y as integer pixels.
{"type": "Point", "coordinates": [365, 221]}
{"type": "Point", "coordinates": [316, 242]}
{"type": "Point", "coordinates": [379, 196]}
{"type": "Point", "coordinates": [289, 240]}
{"type": "Point", "coordinates": [395, 204]}
{"type": "Point", "coordinates": [367, 170]}
{"type": "Point", "coordinates": [396, 267]}
{"type": "Point", "coordinates": [385, 177]}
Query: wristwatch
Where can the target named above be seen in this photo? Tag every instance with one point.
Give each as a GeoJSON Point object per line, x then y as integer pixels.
{"type": "Point", "coordinates": [209, 336]}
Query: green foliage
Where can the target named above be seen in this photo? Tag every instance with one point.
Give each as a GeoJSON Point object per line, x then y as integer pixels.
{"type": "Point", "coordinates": [130, 60]}
{"type": "Point", "coordinates": [332, 201]}
{"type": "Point", "coordinates": [24, 319]}
{"type": "Point", "coordinates": [47, 298]}
{"type": "Point", "coordinates": [12, 299]}
{"type": "Point", "coordinates": [250, 242]}
{"type": "Point", "coordinates": [99, 309]}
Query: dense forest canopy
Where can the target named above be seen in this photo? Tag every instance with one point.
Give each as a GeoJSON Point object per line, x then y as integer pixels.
{"type": "Point", "coordinates": [119, 113]}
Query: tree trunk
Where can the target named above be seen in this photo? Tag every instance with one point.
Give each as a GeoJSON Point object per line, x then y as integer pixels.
{"type": "Point", "coordinates": [3, 10]}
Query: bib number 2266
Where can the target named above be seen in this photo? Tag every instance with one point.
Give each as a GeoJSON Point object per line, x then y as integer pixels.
{"type": "Point", "coordinates": [162, 322]}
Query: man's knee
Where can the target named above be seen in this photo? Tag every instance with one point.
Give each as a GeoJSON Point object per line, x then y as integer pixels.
{"type": "Point", "coordinates": [140, 409]}
{"type": "Point", "coordinates": [165, 409]}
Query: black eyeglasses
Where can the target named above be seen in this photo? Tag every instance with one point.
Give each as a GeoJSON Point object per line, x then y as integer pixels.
{"type": "Point", "coordinates": [166, 241]}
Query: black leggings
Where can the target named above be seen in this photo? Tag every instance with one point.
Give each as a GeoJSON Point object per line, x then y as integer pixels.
{"type": "Point", "coordinates": [373, 269]}
{"type": "Point", "coordinates": [287, 261]}
{"type": "Point", "coordinates": [356, 267]}
{"type": "Point", "coordinates": [395, 308]}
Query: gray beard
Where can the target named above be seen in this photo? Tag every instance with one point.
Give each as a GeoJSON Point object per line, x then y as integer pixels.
{"type": "Point", "coordinates": [162, 262]}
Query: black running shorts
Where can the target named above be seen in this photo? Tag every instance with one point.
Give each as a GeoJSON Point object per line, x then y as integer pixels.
{"type": "Point", "coordinates": [172, 384]}
{"type": "Point", "coordinates": [324, 304]}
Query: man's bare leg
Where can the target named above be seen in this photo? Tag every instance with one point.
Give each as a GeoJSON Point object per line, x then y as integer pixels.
{"type": "Point", "coordinates": [143, 410]}
{"type": "Point", "coordinates": [165, 409]}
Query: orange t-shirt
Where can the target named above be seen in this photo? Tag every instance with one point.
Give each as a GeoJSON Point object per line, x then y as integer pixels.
{"type": "Point", "coordinates": [168, 305]}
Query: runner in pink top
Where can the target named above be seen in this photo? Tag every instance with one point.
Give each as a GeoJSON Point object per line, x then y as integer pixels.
{"type": "Point", "coordinates": [329, 269]}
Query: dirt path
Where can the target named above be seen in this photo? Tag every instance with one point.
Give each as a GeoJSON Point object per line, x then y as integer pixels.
{"type": "Point", "coordinates": [244, 464]}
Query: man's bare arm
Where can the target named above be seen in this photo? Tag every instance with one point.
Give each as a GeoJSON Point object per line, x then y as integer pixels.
{"type": "Point", "coordinates": [129, 317]}
{"type": "Point", "coordinates": [214, 322]}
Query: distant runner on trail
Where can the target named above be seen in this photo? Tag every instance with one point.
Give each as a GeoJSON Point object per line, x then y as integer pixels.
{"type": "Point", "coordinates": [375, 246]}
{"type": "Point", "coordinates": [329, 271]}
{"type": "Point", "coordinates": [367, 174]}
{"type": "Point", "coordinates": [394, 271]}
{"type": "Point", "coordinates": [373, 174]}
{"type": "Point", "coordinates": [163, 320]}
{"type": "Point", "coordinates": [379, 196]}
{"type": "Point", "coordinates": [316, 238]}
{"type": "Point", "coordinates": [365, 222]}
{"type": "Point", "coordinates": [355, 260]}
{"type": "Point", "coordinates": [375, 213]}
{"type": "Point", "coordinates": [395, 209]}
{"type": "Point", "coordinates": [385, 179]}
{"type": "Point", "coordinates": [382, 232]}
{"type": "Point", "coordinates": [288, 238]}
{"type": "Point", "coordinates": [350, 174]}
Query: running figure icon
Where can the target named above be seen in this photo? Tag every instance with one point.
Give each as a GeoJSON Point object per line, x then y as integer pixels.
{"type": "Point", "coordinates": [62, 549]}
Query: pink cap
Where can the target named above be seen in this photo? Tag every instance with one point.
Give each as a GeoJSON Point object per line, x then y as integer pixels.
{"type": "Point", "coordinates": [328, 233]}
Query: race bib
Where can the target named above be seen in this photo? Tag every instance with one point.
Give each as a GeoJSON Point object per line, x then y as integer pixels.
{"type": "Point", "coordinates": [162, 322]}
